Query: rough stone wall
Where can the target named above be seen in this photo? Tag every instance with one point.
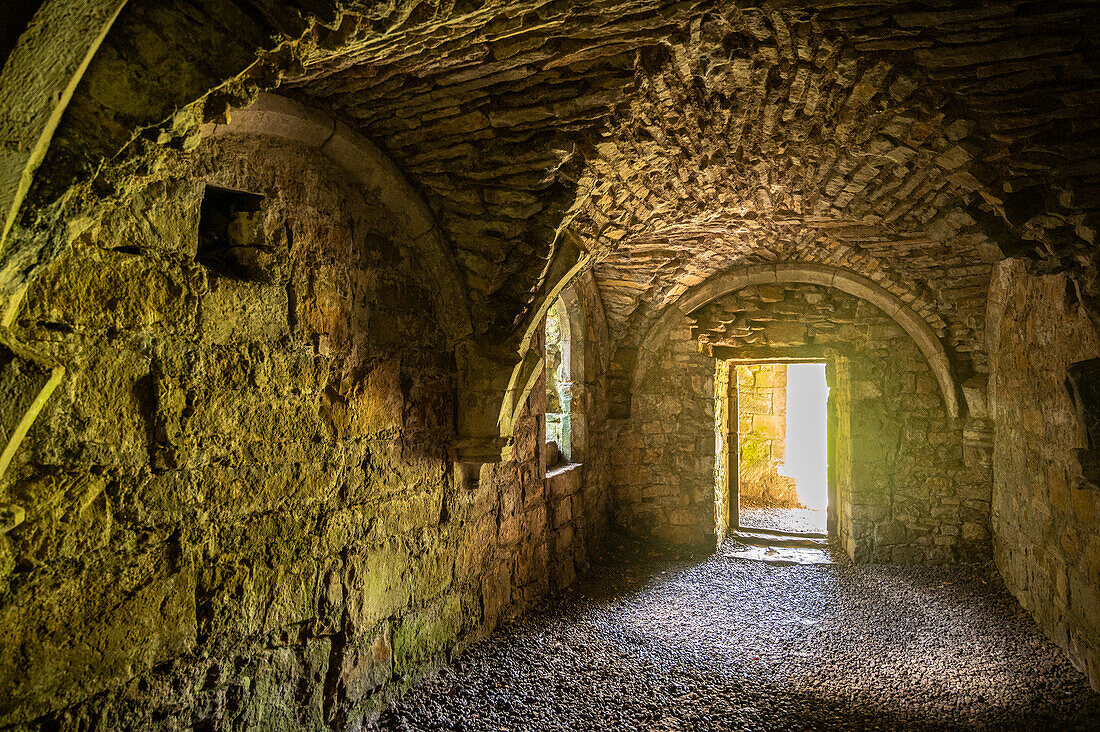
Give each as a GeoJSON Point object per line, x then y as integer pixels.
{"type": "Point", "coordinates": [663, 458]}
{"type": "Point", "coordinates": [903, 489]}
{"type": "Point", "coordinates": [870, 95]}
{"type": "Point", "coordinates": [237, 510]}
{"type": "Point", "coordinates": [906, 493]}
{"type": "Point", "coordinates": [762, 435]}
{"type": "Point", "coordinates": [590, 426]}
{"type": "Point", "coordinates": [1046, 535]}
{"type": "Point", "coordinates": [725, 451]}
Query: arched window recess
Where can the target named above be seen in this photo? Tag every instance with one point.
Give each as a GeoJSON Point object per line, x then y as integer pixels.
{"type": "Point", "coordinates": [564, 364]}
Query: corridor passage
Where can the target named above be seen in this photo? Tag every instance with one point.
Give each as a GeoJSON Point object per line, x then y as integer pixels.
{"type": "Point", "coordinates": [712, 643]}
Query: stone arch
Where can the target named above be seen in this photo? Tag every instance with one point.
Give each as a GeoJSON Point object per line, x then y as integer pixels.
{"type": "Point", "coordinates": [573, 356]}
{"type": "Point", "coordinates": [762, 113]}
{"type": "Point", "coordinates": [275, 116]}
{"type": "Point", "coordinates": [526, 372]}
{"type": "Point", "coordinates": [37, 88]}
{"type": "Point", "coordinates": [813, 274]}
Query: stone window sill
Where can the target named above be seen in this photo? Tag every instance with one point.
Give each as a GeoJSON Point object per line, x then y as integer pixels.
{"type": "Point", "coordinates": [562, 469]}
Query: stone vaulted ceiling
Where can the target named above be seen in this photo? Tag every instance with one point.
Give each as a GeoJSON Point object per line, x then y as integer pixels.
{"type": "Point", "coordinates": [658, 142]}
{"type": "Point", "coordinates": [677, 140]}
{"type": "Point", "coordinates": [489, 113]}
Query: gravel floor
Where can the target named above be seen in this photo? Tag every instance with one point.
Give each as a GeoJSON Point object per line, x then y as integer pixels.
{"type": "Point", "coordinates": [783, 519]}
{"type": "Point", "coordinates": [713, 643]}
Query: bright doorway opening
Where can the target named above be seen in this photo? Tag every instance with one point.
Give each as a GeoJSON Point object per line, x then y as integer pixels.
{"type": "Point", "coordinates": [782, 447]}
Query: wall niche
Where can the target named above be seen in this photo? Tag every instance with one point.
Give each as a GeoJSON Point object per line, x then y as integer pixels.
{"type": "Point", "coordinates": [1083, 383]}
{"type": "Point", "coordinates": [230, 236]}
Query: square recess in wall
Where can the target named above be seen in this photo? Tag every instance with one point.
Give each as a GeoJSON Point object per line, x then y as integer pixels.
{"type": "Point", "coordinates": [230, 242]}
{"type": "Point", "coordinates": [1083, 383]}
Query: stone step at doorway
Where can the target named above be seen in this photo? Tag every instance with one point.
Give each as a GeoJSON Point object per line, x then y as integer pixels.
{"type": "Point", "coordinates": [780, 541]}
{"type": "Point", "coordinates": [777, 534]}
{"type": "Point", "coordinates": [776, 547]}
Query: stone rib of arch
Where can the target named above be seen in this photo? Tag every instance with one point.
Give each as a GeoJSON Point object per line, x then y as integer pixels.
{"type": "Point", "coordinates": [810, 274]}
{"type": "Point", "coordinates": [275, 116]}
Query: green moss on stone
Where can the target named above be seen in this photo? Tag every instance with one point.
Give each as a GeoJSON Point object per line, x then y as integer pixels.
{"type": "Point", "coordinates": [424, 634]}
{"type": "Point", "coordinates": [754, 450]}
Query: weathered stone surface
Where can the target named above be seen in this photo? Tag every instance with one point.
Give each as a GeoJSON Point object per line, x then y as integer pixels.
{"type": "Point", "coordinates": [721, 123]}
{"type": "Point", "coordinates": [1045, 534]}
{"type": "Point", "coordinates": [238, 507]}
{"type": "Point", "coordinates": [899, 459]}
{"type": "Point", "coordinates": [762, 429]}
{"type": "Point", "coordinates": [242, 435]}
{"type": "Point", "coordinates": [663, 461]}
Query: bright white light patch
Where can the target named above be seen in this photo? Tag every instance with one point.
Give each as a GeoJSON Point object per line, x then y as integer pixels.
{"type": "Point", "coordinates": [807, 442]}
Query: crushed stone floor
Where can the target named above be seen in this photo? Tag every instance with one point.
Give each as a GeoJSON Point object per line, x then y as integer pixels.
{"type": "Point", "coordinates": [796, 520]}
{"type": "Point", "coordinates": [715, 643]}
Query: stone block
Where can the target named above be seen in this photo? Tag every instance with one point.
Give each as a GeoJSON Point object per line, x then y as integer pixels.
{"type": "Point", "coordinates": [891, 533]}
{"type": "Point", "coordinates": [97, 289]}
{"type": "Point", "coordinates": [563, 540]}
{"type": "Point", "coordinates": [369, 404]}
{"type": "Point", "coordinates": [530, 563]}
{"type": "Point", "coordinates": [769, 293]}
{"type": "Point", "coordinates": [375, 585]}
{"type": "Point", "coordinates": [67, 516]}
{"type": "Point", "coordinates": [234, 311]}
{"type": "Point", "coordinates": [110, 624]}
{"type": "Point", "coordinates": [906, 555]}
{"type": "Point", "coordinates": [565, 482]}
{"type": "Point", "coordinates": [425, 633]}
{"type": "Point", "coordinates": [564, 573]}
{"type": "Point", "coordinates": [974, 532]}
{"type": "Point", "coordinates": [563, 511]}
{"type": "Point", "coordinates": [100, 412]}
{"type": "Point", "coordinates": [769, 427]}
{"type": "Point", "coordinates": [784, 334]}
{"type": "Point", "coordinates": [275, 699]}
{"type": "Point", "coordinates": [366, 663]}
{"type": "Point", "coordinates": [496, 593]}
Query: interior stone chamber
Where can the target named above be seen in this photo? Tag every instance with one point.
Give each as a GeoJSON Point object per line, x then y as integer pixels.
{"type": "Point", "coordinates": [276, 385]}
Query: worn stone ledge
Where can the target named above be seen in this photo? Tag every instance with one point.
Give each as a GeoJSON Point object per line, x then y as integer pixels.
{"type": "Point", "coordinates": [562, 470]}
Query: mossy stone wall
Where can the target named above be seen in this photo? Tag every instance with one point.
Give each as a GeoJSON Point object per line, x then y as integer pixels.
{"type": "Point", "coordinates": [1046, 514]}
{"type": "Point", "coordinates": [238, 508]}
{"type": "Point", "coordinates": [905, 493]}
